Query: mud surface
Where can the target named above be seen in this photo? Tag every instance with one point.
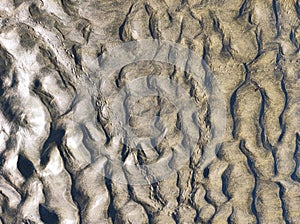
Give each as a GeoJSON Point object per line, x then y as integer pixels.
{"type": "Point", "coordinates": [149, 111]}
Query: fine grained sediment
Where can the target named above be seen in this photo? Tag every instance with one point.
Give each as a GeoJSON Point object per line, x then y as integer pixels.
{"type": "Point", "coordinates": [62, 157]}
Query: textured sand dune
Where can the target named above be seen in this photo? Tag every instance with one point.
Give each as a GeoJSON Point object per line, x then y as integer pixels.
{"type": "Point", "coordinates": [149, 111]}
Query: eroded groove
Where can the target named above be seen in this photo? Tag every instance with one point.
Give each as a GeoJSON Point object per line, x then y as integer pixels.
{"type": "Point", "coordinates": [297, 8]}
{"type": "Point", "coordinates": [285, 214]}
{"type": "Point", "coordinates": [182, 25]}
{"type": "Point", "coordinates": [153, 26]}
{"type": "Point", "coordinates": [251, 165]}
{"type": "Point", "coordinates": [293, 39]}
{"type": "Point", "coordinates": [242, 8]}
{"type": "Point", "coordinates": [88, 142]}
{"type": "Point", "coordinates": [121, 29]}
{"type": "Point", "coordinates": [274, 154]}
{"type": "Point", "coordinates": [258, 36]}
{"type": "Point", "coordinates": [175, 214]}
{"type": "Point", "coordinates": [193, 192]}
{"type": "Point", "coordinates": [157, 196]}
{"type": "Point", "coordinates": [286, 100]}
{"type": "Point", "coordinates": [229, 219]}
{"type": "Point", "coordinates": [75, 196]}
{"type": "Point", "coordinates": [294, 175]}
{"type": "Point", "coordinates": [111, 212]}
{"type": "Point", "coordinates": [64, 155]}
{"type": "Point", "coordinates": [264, 139]}
{"type": "Point", "coordinates": [77, 56]}
{"type": "Point", "coordinates": [55, 137]}
{"type": "Point", "coordinates": [274, 3]}
{"type": "Point", "coordinates": [225, 182]}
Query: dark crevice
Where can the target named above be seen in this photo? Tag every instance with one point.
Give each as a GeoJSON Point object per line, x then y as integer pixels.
{"type": "Point", "coordinates": [208, 200]}
{"type": "Point", "coordinates": [258, 37]}
{"type": "Point", "coordinates": [183, 2]}
{"type": "Point", "coordinates": [86, 32]}
{"type": "Point", "coordinates": [216, 24]}
{"type": "Point", "coordinates": [283, 204]}
{"type": "Point", "coordinates": [250, 18]}
{"type": "Point", "coordinates": [47, 99]}
{"type": "Point", "coordinates": [157, 196]}
{"type": "Point", "coordinates": [87, 142]}
{"type": "Point", "coordinates": [294, 175]}
{"type": "Point", "coordinates": [122, 27]}
{"type": "Point", "coordinates": [182, 25]}
{"type": "Point", "coordinates": [175, 217]}
{"type": "Point", "coordinates": [225, 182]}
{"type": "Point", "coordinates": [153, 23]}
{"type": "Point", "coordinates": [175, 214]}
{"type": "Point", "coordinates": [207, 118]}
{"type": "Point", "coordinates": [218, 149]}
{"type": "Point", "coordinates": [34, 11]}
{"type": "Point", "coordinates": [55, 137]}
{"type": "Point", "coordinates": [197, 218]}
{"type": "Point", "coordinates": [261, 119]}
{"type": "Point", "coordinates": [226, 48]}
{"type": "Point", "coordinates": [232, 110]}
{"type": "Point", "coordinates": [178, 198]}
{"type": "Point", "coordinates": [245, 151]}
{"type": "Point", "coordinates": [111, 211]}
{"type": "Point", "coordinates": [275, 9]}
{"type": "Point", "coordinates": [141, 156]}
{"type": "Point", "coordinates": [25, 166]}
{"type": "Point", "coordinates": [131, 192]}
{"type": "Point", "coordinates": [69, 7]}
{"type": "Point", "coordinates": [126, 106]}
{"type": "Point", "coordinates": [133, 197]}
{"type": "Point", "coordinates": [10, 143]}
{"type": "Point", "coordinates": [125, 151]}
{"type": "Point", "coordinates": [242, 8]}
{"type": "Point", "coordinates": [297, 8]}
{"type": "Point", "coordinates": [75, 98]}
{"type": "Point", "coordinates": [293, 39]}
{"type": "Point", "coordinates": [264, 139]}
{"type": "Point", "coordinates": [283, 130]}
{"type": "Point", "coordinates": [230, 218]}
{"type": "Point", "coordinates": [75, 197]}
{"type": "Point", "coordinates": [279, 57]}
{"type": "Point", "coordinates": [77, 56]}
{"type": "Point", "coordinates": [47, 216]}
{"type": "Point", "coordinates": [205, 57]}
{"type": "Point", "coordinates": [194, 186]}
{"type": "Point", "coordinates": [206, 172]}
{"type": "Point", "coordinates": [102, 122]}
{"type": "Point", "coordinates": [274, 155]}
{"type": "Point", "coordinates": [233, 100]}
{"type": "Point", "coordinates": [286, 98]}
{"type": "Point", "coordinates": [170, 17]}
{"type": "Point", "coordinates": [5, 203]}
{"type": "Point", "coordinates": [13, 114]}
